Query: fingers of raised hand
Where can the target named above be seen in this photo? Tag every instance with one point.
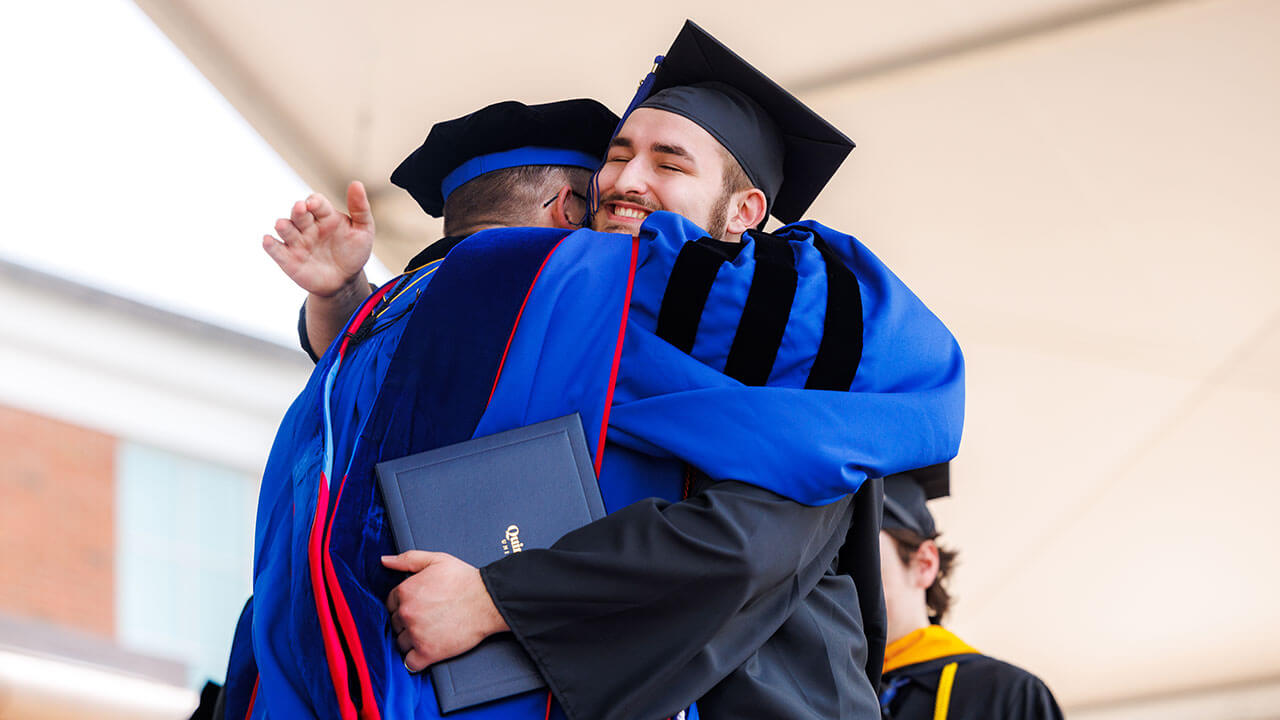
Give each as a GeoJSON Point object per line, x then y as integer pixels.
{"type": "Point", "coordinates": [319, 207]}
{"type": "Point", "coordinates": [358, 205]}
{"type": "Point", "coordinates": [301, 216]}
{"type": "Point", "coordinates": [288, 231]}
{"type": "Point", "coordinates": [277, 251]}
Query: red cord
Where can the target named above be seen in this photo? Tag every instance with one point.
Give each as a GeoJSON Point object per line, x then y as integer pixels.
{"type": "Point", "coordinates": [548, 716]}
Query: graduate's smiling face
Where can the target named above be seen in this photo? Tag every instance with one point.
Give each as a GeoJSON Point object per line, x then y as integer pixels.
{"type": "Point", "coordinates": [663, 161]}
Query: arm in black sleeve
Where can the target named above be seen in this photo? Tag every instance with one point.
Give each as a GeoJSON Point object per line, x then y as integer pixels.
{"type": "Point", "coordinates": [303, 339]}
{"type": "Point", "coordinates": [824, 662]}
{"type": "Point", "coordinates": [620, 615]}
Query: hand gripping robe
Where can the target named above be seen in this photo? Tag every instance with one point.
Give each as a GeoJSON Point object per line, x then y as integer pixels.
{"type": "Point", "coordinates": [711, 391]}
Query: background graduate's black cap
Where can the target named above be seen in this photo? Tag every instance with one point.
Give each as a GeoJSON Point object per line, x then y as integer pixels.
{"type": "Point", "coordinates": [905, 495]}
{"type": "Point", "coordinates": [504, 135]}
{"type": "Point", "coordinates": [786, 149]}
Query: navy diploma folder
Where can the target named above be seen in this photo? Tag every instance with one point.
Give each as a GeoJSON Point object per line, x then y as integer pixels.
{"type": "Point", "coordinates": [480, 500]}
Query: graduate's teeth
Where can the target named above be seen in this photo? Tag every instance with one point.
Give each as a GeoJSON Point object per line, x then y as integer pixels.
{"type": "Point", "coordinates": [629, 213]}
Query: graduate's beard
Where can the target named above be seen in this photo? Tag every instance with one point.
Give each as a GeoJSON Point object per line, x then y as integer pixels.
{"type": "Point", "coordinates": [600, 221]}
{"type": "Point", "coordinates": [716, 222]}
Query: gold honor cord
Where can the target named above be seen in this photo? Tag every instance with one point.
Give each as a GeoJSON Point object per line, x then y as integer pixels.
{"type": "Point", "coordinates": [943, 701]}
{"type": "Point", "coordinates": [406, 287]}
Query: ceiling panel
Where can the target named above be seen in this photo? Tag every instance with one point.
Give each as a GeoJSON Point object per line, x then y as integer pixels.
{"type": "Point", "coordinates": [345, 90]}
{"type": "Point", "coordinates": [1103, 184]}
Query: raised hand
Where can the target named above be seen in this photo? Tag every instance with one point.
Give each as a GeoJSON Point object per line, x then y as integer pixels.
{"type": "Point", "coordinates": [322, 250]}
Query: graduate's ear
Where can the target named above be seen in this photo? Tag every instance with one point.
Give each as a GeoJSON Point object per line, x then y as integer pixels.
{"type": "Point", "coordinates": [562, 214]}
{"type": "Point", "coordinates": [747, 209]}
{"type": "Point", "coordinates": [924, 564]}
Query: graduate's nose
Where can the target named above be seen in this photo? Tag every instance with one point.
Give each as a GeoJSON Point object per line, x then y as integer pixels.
{"type": "Point", "coordinates": [632, 180]}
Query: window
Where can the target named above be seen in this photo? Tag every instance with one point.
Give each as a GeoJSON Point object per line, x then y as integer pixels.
{"type": "Point", "coordinates": [184, 555]}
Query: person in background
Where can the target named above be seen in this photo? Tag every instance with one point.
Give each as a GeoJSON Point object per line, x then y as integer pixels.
{"type": "Point", "coordinates": [929, 672]}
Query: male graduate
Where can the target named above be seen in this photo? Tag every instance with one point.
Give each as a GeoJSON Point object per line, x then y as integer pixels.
{"type": "Point", "coordinates": [712, 152]}
{"type": "Point", "coordinates": [761, 381]}
{"type": "Point", "coordinates": [929, 673]}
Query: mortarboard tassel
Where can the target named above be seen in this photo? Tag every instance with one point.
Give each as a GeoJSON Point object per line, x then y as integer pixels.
{"type": "Point", "coordinates": [642, 93]}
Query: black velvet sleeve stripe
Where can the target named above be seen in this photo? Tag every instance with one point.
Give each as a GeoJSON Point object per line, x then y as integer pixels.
{"type": "Point", "coordinates": [841, 348]}
{"type": "Point", "coordinates": [764, 317]}
{"type": "Point", "coordinates": [303, 340]}
{"type": "Point", "coordinates": [692, 275]}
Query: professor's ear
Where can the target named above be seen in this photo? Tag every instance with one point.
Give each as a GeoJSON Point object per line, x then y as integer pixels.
{"type": "Point", "coordinates": [560, 213]}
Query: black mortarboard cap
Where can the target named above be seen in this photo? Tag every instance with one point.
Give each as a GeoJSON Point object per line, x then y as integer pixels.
{"type": "Point", "coordinates": [906, 495]}
{"type": "Point", "coordinates": [786, 149]}
{"type": "Point", "coordinates": [504, 135]}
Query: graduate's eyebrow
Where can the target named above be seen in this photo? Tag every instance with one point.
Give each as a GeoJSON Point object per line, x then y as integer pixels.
{"type": "Point", "coordinates": [664, 149]}
{"type": "Point", "coordinates": [657, 148]}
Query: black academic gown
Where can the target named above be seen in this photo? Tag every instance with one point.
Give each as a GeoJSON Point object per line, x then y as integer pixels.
{"type": "Point", "coordinates": [983, 689]}
{"type": "Point", "coordinates": [747, 612]}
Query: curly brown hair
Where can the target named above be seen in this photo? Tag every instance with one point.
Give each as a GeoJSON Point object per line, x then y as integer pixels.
{"type": "Point", "coordinates": [937, 597]}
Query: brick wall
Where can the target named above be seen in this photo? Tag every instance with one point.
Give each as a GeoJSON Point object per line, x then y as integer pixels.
{"type": "Point", "coordinates": [56, 522]}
